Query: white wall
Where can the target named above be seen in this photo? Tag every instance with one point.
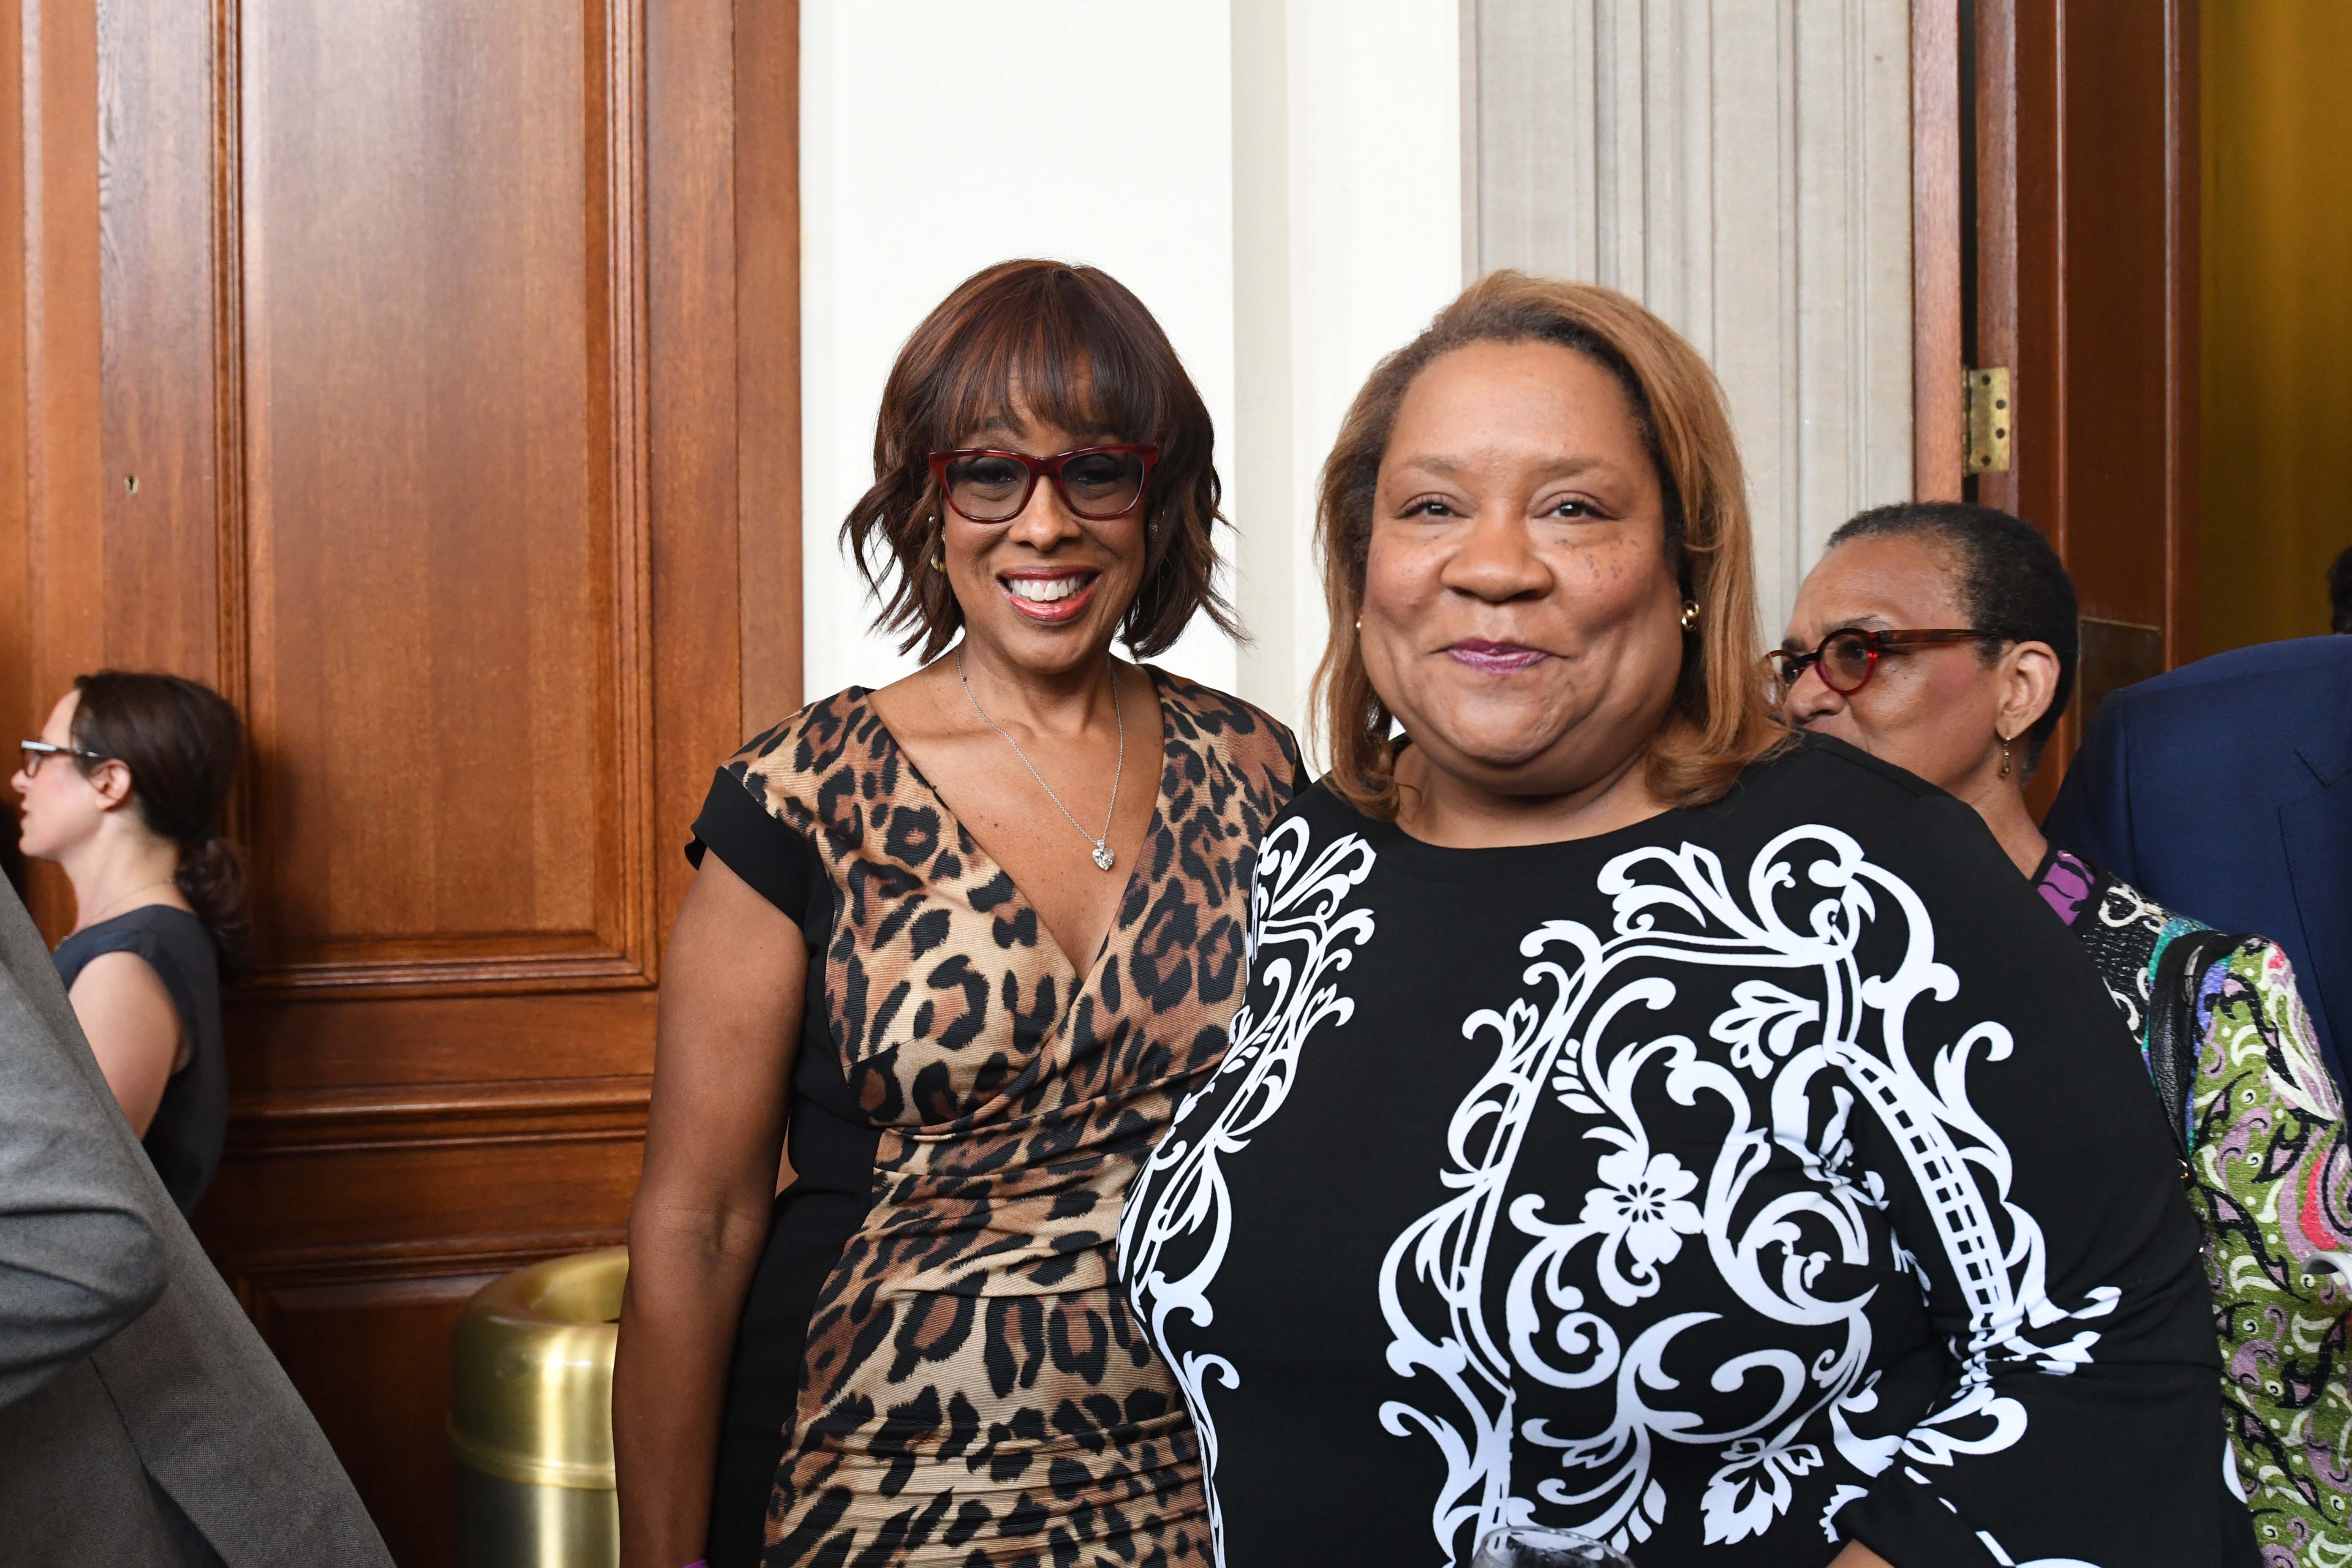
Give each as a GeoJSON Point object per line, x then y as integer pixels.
{"type": "Point", "coordinates": [938, 138]}
{"type": "Point", "coordinates": [1314, 144]}
{"type": "Point", "coordinates": [1348, 205]}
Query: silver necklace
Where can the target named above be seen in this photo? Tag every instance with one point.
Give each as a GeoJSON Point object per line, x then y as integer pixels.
{"type": "Point", "coordinates": [121, 898]}
{"type": "Point", "coordinates": [1103, 857]}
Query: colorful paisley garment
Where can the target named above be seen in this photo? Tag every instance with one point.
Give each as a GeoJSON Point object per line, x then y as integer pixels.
{"type": "Point", "coordinates": [2273, 1187]}
{"type": "Point", "coordinates": [933, 1367]}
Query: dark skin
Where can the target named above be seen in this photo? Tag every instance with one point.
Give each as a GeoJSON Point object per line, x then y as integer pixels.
{"type": "Point", "coordinates": [736, 975]}
{"type": "Point", "coordinates": [1516, 507]}
{"type": "Point", "coordinates": [1047, 684]}
{"type": "Point", "coordinates": [1943, 710]}
{"type": "Point", "coordinates": [1521, 616]}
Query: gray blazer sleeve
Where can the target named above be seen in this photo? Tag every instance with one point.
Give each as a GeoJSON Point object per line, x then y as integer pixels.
{"type": "Point", "coordinates": [78, 1259]}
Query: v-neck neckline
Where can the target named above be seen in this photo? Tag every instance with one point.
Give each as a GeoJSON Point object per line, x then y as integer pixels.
{"type": "Point", "coordinates": [864, 696]}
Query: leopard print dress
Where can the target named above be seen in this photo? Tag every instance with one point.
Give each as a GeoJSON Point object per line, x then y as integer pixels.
{"type": "Point", "coordinates": [970, 1388]}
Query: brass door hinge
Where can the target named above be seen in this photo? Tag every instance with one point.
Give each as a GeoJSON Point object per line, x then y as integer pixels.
{"type": "Point", "coordinates": [1989, 419]}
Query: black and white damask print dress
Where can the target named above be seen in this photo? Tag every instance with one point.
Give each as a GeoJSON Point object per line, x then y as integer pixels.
{"type": "Point", "coordinates": [1752, 1180]}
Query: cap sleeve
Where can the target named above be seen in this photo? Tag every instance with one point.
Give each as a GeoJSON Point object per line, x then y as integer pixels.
{"type": "Point", "coordinates": [774, 858]}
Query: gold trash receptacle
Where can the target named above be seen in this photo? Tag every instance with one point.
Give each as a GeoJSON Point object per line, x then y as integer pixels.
{"type": "Point", "coordinates": [530, 1415]}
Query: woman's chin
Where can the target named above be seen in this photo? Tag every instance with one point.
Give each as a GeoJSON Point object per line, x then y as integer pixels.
{"type": "Point", "coordinates": [1499, 760]}
{"type": "Point", "coordinates": [1489, 732]}
{"type": "Point", "coordinates": [1043, 647]}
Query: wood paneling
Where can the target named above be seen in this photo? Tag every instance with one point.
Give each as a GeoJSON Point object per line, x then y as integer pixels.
{"type": "Point", "coordinates": [15, 589]}
{"type": "Point", "coordinates": [767, 357]}
{"type": "Point", "coordinates": [444, 343]}
{"type": "Point", "coordinates": [368, 1419]}
{"type": "Point", "coordinates": [452, 346]}
{"type": "Point", "coordinates": [1938, 438]}
{"type": "Point", "coordinates": [327, 1180]}
{"type": "Point", "coordinates": [2086, 285]}
{"type": "Point", "coordinates": [155, 146]}
{"type": "Point", "coordinates": [64, 483]}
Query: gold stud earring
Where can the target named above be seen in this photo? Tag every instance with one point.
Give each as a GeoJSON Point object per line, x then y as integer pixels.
{"type": "Point", "coordinates": [1359, 626]}
{"type": "Point", "coordinates": [1690, 615]}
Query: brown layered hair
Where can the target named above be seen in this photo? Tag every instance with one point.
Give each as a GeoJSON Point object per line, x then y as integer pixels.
{"type": "Point", "coordinates": [179, 739]}
{"type": "Point", "coordinates": [1069, 346]}
{"type": "Point", "coordinates": [1721, 720]}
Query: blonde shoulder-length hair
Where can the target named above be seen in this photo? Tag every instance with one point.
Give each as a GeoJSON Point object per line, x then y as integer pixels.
{"type": "Point", "coordinates": [1721, 720]}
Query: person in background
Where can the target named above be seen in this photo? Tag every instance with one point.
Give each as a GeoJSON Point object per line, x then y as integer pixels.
{"type": "Point", "coordinates": [2340, 594]}
{"type": "Point", "coordinates": [124, 791]}
{"type": "Point", "coordinates": [942, 936]}
{"type": "Point", "coordinates": [1941, 637]}
{"type": "Point", "coordinates": [2224, 788]}
{"type": "Point", "coordinates": [1645, 1121]}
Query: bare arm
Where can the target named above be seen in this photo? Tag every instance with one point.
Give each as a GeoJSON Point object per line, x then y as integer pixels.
{"type": "Point", "coordinates": [133, 1030]}
{"type": "Point", "coordinates": [729, 1028]}
{"type": "Point", "coordinates": [1857, 1555]}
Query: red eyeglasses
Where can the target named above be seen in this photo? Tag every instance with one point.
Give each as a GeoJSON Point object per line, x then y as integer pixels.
{"type": "Point", "coordinates": [1098, 483]}
{"type": "Point", "coordinates": [1847, 659]}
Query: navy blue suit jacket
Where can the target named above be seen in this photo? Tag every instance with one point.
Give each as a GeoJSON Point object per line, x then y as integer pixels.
{"type": "Point", "coordinates": [2223, 791]}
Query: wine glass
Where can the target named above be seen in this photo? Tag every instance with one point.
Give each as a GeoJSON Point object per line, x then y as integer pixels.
{"type": "Point", "coordinates": [1527, 1547]}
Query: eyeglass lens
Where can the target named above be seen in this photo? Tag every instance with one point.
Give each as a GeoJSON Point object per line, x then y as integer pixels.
{"type": "Point", "coordinates": [1846, 661]}
{"type": "Point", "coordinates": [1096, 486]}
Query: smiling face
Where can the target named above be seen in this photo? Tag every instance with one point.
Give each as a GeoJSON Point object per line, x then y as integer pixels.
{"type": "Point", "coordinates": [1938, 710]}
{"type": "Point", "coordinates": [1045, 592]}
{"type": "Point", "coordinates": [1520, 615]}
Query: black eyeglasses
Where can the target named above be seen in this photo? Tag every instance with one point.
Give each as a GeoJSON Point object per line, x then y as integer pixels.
{"type": "Point", "coordinates": [1847, 659]}
{"type": "Point", "coordinates": [34, 750]}
{"type": "Point", "coordinates": [1098, 483]}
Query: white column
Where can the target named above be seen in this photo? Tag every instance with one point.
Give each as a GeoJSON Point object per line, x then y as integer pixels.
{"type": "Point", "coordinates": [1348, 196]}
{"type": "Point", "coordinates": [1742, 167]}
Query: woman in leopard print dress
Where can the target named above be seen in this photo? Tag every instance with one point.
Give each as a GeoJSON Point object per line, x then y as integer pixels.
{"type": "Point", "coordinates": [970, 938]}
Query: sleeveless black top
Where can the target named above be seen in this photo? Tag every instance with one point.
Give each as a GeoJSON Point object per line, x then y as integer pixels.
{"type": "Point", "coordinates": [184, 1140]}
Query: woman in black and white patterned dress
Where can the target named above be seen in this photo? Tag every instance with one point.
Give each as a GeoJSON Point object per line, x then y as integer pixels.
{"type": "Point", "coordinates": [1642, 1121]}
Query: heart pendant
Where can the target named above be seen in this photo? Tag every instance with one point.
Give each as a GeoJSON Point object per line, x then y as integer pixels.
{"type": "Point", "coordinates": [1103, 857]}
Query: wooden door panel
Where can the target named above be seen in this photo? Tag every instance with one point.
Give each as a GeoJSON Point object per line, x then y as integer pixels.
{"type": "Point", "coordinates": [2085, 285]}
{"type": "Point", "coordinates": [453, 347]}
{"type": "Point", "coordinates": [444, 494]}
{"type": "Point", "coordinates": [328, 1337]}
{"type": "Point", "coordinates": [439, 1174]}
{"type": "Point", "coordinates": [160, 417]}
{"type": "Point", "coordinates": [385, 1043]}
